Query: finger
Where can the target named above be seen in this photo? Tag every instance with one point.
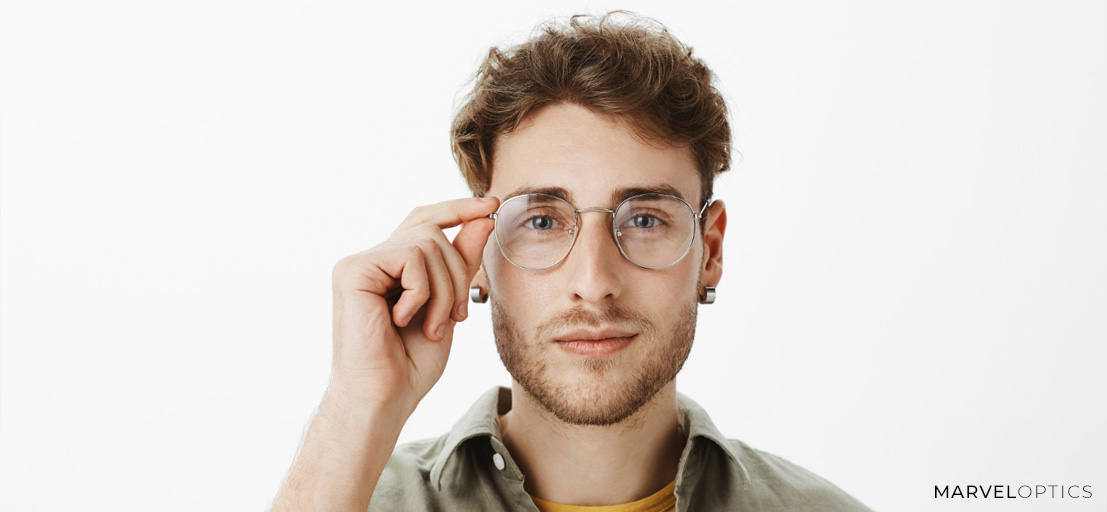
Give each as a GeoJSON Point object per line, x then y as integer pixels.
{"type": "Point", "coordinates": [470, 242]}
{"type": "Point", "coordinates": [448, 214]}
{"type": "Point", "coordinates": [416, 285]}
{"type": "Point", "coordinates": [441, 301]}
{"type": "Point", "coordinates": [459, 273]}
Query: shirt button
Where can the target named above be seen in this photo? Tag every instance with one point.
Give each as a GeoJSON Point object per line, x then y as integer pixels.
{"type": "Point", "coordinates": [498, 460]}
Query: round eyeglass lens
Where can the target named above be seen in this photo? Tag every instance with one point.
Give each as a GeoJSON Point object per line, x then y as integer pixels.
{"type": "Point", "coordinates": [654, 230]}
{"type": "Point", "coordinates": [535, 231]}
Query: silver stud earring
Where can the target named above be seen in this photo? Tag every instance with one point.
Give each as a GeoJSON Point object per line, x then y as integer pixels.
{"type": "Point", "coordinates": [476, 296]}
{"type": "Point", "coordinates": [708, 296]}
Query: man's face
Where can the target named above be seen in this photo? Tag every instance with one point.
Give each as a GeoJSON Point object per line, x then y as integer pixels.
{"type": "Point", "coordinates": [594, 289]}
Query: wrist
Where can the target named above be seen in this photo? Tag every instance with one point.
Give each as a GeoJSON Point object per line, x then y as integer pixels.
{"type": "Point", "coordinates": [348, 412]}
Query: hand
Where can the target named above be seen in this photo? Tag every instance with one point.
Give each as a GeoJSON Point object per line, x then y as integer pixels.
{"type": "Point", "coordinates": [396, 305]}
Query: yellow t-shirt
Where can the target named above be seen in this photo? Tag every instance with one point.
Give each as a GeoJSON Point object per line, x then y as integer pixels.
{"type": "Point", "coordinates": [660, 501]}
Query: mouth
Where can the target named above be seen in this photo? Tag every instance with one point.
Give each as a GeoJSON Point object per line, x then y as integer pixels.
{"type": "Point", "coordinates": [595, 343]}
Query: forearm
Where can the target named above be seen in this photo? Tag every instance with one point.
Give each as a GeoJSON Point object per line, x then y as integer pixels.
{"type": "Point", "coordinates": [343, 455]}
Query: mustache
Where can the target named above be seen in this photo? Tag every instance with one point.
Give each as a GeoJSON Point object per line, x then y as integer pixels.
{"type": "Point", "coordinates": [610, 315]}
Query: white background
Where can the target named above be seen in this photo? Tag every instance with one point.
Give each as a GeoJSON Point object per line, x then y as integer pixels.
{"type": "Point", "coordinates": [915, 290]}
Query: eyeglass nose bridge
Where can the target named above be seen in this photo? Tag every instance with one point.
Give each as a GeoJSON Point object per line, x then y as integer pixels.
{"type": "Point", "coordinates": [595, 209]}
{"type": "Point", "coordinates": [614, 230]}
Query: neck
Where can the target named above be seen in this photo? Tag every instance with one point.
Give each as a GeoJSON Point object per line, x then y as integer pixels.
{"type": "Point", "coordinates": [590, 465]}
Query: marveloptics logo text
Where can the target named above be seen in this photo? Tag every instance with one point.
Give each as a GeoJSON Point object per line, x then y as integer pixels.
{"type": "Point", "coordinates": [1005, 491]}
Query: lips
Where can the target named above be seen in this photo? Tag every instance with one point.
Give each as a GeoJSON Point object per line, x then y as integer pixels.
{"type": "Point", "coordinates": [595, 334]}
{"type": "Point", "coordinates": [595, 342]}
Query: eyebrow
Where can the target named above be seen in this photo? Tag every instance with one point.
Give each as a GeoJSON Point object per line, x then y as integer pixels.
{"type": "Point", "coordinates": [616, 197]}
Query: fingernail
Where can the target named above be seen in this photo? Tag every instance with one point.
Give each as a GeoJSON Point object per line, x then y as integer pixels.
{"type": "Point", "coordinates": [487, 199]}
{"type": "Point", "coordinates": [441, 332]}
{"type": "Point", "coordinates": [463, 309]}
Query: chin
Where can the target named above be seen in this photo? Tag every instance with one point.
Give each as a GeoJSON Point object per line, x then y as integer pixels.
{"type": "Point", "coordinates": [601, 401]}
{"type": "Point", "coordinates": [590, 399]}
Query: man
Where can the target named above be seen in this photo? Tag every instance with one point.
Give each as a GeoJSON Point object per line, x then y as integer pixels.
{"type": "Point", "coordinates": [591, 149]}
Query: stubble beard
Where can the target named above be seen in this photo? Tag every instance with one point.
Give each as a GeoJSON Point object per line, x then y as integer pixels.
{"type": "Point", "coordinates": [604, 391]}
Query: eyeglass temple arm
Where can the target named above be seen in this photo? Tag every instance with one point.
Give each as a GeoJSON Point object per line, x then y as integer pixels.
{"type": "Point", "coordinates": [704, 209]}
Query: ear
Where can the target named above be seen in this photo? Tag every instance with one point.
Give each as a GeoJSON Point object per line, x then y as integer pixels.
{"type": "Point", "coordinates": [715, 228]}
{"type": "Point", "coordinates": [480, 279]}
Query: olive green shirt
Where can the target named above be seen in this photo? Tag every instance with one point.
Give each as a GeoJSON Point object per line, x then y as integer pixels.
{"type": "Point", "coordinates": [469, 469]}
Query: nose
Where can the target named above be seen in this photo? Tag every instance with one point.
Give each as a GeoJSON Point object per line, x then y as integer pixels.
{"type": "Point", "coordinates": [593, 268]}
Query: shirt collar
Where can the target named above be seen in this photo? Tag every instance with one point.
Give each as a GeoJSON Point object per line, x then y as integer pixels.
{"type": "Point", "coordinates": [482, 420]}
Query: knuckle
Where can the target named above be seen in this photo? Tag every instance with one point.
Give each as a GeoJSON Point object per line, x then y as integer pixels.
{"type": "Point", "coordinates": [428, 230]}
{"type": "Point", "coordinates": [419, 212]}
{"type": "Point", "coordinates": [342, 266]}
{"type": "Point", "coordinates": [436, 231]}
{"type": "Point", "coordinates": [430, 247]}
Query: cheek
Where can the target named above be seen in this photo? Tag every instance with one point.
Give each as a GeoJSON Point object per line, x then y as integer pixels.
{"type": "Point", "coordinates": [490, 255]}
{"type": "Point", "coordinates": [662, 293]}
{"type": "Point", "coordinates": [684, 275]}
{"type": "Point", "coordinates": [531, 297]}
{"type": "Point", "coordinates": [508, 282]}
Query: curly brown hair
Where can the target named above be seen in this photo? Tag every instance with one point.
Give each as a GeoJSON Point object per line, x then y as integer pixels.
{"type": "Point", "coordinates": [619, 64]}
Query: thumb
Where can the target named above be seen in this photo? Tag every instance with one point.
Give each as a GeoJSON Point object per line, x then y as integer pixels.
{"type": "Point", "coordinates": [470, 242]}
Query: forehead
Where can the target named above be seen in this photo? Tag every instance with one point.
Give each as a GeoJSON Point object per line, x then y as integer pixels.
{"type": "Point", "coordinates": [588, 159]}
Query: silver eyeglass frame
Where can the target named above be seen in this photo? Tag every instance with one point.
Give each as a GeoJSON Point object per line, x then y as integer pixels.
{"type": "Point", "coordinates": [574, 231]}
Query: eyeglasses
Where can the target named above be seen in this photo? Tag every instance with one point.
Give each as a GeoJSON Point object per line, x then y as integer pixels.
{"type": "Point", "coordinates": [652, 231]}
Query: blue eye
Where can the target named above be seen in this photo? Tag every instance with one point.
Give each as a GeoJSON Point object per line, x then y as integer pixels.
{"type": "Point", "coordinates": [644, 221]}
{"type": "Point", "coordinates": [540, 222]}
